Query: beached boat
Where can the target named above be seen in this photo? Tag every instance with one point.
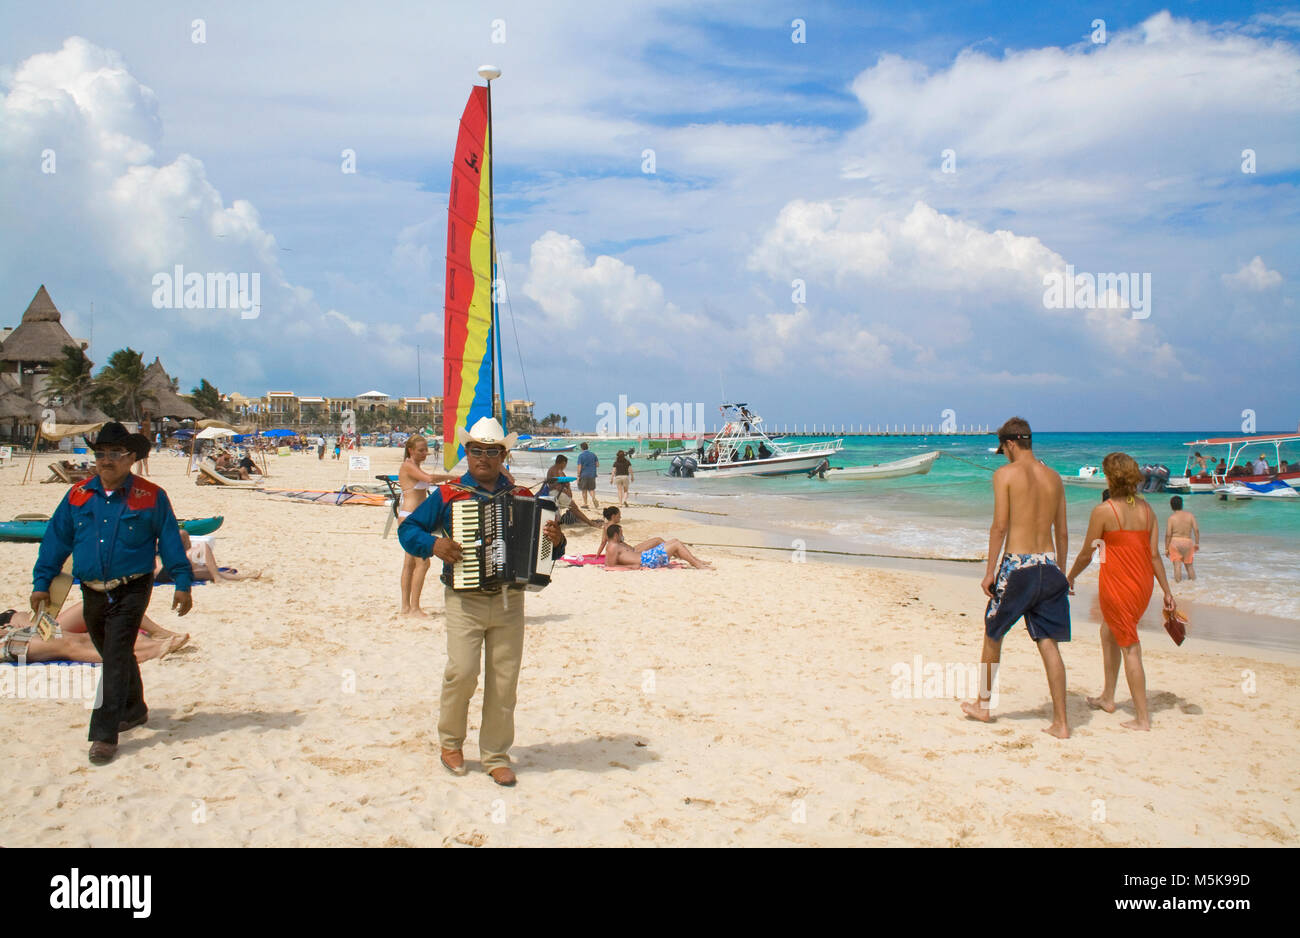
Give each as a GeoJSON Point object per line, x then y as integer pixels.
{"type": "Point", "coordinates": [1199, 481]}
{"type": "Point", "coordinates": [910, 466]}
{"type": "Point", "coordinates": [741, 448]}
{"type": "Point", "coordinates": [1245, 491]}
{"type": "Point", "coordinates": [34, 529]}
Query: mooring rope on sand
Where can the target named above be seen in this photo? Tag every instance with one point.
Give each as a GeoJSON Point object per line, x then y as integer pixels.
{"type": "Point", "coordinates": [842, 553]}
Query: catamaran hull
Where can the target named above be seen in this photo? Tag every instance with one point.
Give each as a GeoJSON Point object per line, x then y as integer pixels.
{"type": "Point", "coordinates": [775, 466]}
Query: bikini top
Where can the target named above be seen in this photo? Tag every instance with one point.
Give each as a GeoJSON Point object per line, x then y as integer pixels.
{"type": "Point", "coordinates": [423, 486]}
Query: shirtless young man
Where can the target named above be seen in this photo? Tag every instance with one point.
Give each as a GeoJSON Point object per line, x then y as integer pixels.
{"type": "Point", "coordinates": [1026, 580]}
{"type": "Point", "coordinates": [1182, 539]}
{"type": "Point", "coordinates": [618, 556]}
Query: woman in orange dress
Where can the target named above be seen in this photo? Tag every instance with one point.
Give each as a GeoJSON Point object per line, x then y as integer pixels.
{"type": "Point", "coordinates": [1125, 528]}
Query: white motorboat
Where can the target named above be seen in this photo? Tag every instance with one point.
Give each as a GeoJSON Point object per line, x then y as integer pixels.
{"type": "Point", "coordinates": [1089, 477]}
{"type": "Point", "coordinates": [1244, 491]}
{"type": "Point", "coordinates": [910, 466]}
{"type": "Point", "coordinates": [741, 448]}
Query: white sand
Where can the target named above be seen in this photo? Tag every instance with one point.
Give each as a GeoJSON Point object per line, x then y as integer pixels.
{"type": "Point", "coordinates": [749, 705]}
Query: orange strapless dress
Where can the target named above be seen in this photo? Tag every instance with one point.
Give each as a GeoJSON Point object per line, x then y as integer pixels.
{"type": "Point", "coordinates": [1125, 582]}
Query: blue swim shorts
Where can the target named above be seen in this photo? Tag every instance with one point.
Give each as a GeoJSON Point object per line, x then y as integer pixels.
{"type": "Point", "coordinates": [654, 557]}
{"type": "Point", "coordinates": [1032, 586]}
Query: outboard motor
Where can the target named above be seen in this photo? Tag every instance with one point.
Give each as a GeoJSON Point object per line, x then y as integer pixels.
{"type": "Point", "coordinates": [683, 467]}
{"type": "Point", "coordinates": [1155, 477]}
{"type": "Point", "coordinates": [819, 470]}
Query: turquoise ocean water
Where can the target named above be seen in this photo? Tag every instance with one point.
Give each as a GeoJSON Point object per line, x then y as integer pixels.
{"type": "Point", "coordinates": [1250, 550]}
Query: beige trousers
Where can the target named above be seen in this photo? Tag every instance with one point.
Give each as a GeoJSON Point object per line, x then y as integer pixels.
{"type": "Point", "coordinates": [481, 626]}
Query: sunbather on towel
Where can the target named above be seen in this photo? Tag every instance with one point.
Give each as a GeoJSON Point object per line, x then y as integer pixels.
{"type": "Point", "coordinates": [612, 517]}
{"type": "Point", "coordinates": [204, 564]}
{"type": "Point", "coordinates": [19, 640]}
{"type": "Point", "coordinates": [619, 556]}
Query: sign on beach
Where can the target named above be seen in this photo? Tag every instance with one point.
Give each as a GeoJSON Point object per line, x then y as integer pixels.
{"type": "Point", "coordinates": [359, 462]}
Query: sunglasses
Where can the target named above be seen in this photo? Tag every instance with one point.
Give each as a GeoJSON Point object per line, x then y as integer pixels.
{"type": "Point", "coordinates": [106, 455]}
{"type": "Point", "coordinates": [481, 452]}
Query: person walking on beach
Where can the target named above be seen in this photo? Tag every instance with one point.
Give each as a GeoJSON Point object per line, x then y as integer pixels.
{"type": "Point", "coordinates": [1029, 519]}
{"type": "Point", "coordinates": [1182, 539]}
{"type": "Point", "coordinates": [486, 626]}
{"type": "Point", "coordinates": [113, 524]}
{"type": "Point", "coordinates": [621, 477]}
{"type": "Point", "coordinates": [1130, 559]}
{"type": "Point", "coordinates": [588, 463]}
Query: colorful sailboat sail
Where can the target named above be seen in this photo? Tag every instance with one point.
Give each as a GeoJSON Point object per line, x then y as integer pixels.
{"type": "Point", "coordinates": [468, 307]}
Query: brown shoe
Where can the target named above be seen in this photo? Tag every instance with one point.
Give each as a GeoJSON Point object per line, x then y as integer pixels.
{"type": "Point", "coordinates": [503, 775]}
{"type": "Point", "coordinates": [453, 760]}
{"type": "Point", "coordinates": [102, 753]}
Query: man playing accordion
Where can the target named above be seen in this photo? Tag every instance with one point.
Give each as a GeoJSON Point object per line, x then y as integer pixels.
{"type": "Point", "coordinates": [480, 625]}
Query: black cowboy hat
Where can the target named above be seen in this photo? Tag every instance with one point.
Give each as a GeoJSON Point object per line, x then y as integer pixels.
{"type": "Point", "coordinates": [114, 434]}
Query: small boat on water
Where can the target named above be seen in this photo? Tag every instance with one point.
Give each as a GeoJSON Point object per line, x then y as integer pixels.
{"type": "Point", "coordinates": [910, 466]}
{"type": "Point", "coordinates": [1246, 491]}
{"type": "Point", "coordinates": [1201, 479]}
{"type": "Point", "coordinates": [547, 446]}
{"type": "Point", "coordinates": [1089, 477]}
{"type": "Point", "coordinates": [742, 448]}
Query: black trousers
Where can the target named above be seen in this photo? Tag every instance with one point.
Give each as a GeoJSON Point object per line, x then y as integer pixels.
{"type": "Point", "coordinates": [113, 620]}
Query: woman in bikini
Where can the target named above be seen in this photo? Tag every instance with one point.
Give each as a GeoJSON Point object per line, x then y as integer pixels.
{"type": "Point", "coordinates": [415, 483]}
{"type": "Point", "coordinates": [19, 640]}
{"type": "Point", "coordinates": [1130, 559]}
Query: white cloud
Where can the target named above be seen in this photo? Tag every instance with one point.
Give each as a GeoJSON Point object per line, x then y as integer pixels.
{"type": "Point", "coordinates": [924, 249]}
{"type": "Point", "coordinates": [1254, 275]}
{"type": "Point", "coordinates": [576, 294]}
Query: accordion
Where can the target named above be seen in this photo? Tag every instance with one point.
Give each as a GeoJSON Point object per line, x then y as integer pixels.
{"type": "Point", "coordinates": [502, 543]}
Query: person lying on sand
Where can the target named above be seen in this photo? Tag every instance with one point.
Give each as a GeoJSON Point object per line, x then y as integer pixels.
{"type": "Point", "coordinates": [205, 566]}
{"type": "Point", "coordinates": [612, 517]}
{"type": "Point", "coordinates": [19, 640]}
{"type": "Point", "coordinates": [619, 556]}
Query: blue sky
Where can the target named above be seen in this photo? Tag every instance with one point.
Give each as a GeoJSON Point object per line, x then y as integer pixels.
{"type": "Point", "coordinates": [775, 162]}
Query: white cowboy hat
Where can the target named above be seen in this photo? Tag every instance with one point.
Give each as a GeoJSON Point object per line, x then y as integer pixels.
{"type": "Point", "coordinates": [488, 432]}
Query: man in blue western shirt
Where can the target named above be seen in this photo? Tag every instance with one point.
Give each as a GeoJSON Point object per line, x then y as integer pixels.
{"type": "Point", "coordinates": [480, 626]}
{"type": "Point", "coordinates": [113, 524]}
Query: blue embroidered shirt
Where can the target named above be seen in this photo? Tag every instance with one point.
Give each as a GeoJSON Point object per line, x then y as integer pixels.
{"type": "Point", "coordinates": [112, 536]}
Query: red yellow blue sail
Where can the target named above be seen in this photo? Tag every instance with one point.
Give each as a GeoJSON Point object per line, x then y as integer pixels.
{"type": "Point", "coordinates": [467, 306]}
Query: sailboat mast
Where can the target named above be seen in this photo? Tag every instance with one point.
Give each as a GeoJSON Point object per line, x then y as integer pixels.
{"type": "Point", "coordinates": [498, 374]}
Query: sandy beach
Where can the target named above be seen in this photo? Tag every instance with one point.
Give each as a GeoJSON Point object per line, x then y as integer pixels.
{"type": "Point", "coordinates": [768, 702]}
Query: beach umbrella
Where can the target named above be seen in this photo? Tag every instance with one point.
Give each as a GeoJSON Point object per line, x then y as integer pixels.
{"type": "Point", "coordinates": [212, 433]}
{"type": "Point", "coordinates": [279, 432]}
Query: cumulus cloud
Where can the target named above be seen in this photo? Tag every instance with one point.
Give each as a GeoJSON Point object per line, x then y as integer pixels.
{"type": "Point", "coordinates": [1254, 275]}
{"type": "Point", "coordinates": [923, 248]}
{"type": "Point", "coordinates": [575, 294]}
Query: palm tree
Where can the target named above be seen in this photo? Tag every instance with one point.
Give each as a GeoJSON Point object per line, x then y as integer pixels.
{"type": "Point", "coordinates": [208, 399]}
{"type": "Point", "coordinates": [69, 378]}
{"type": "Point", "coordinates": [120, 389]}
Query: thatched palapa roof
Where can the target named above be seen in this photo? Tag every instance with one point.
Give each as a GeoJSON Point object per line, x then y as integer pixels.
{"type": "Point", "coordinates": [160, 400]}
{"type": "Point", "coordinates": [40, 337]}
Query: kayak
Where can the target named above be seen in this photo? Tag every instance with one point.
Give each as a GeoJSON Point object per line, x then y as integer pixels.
{"type": "Point", "coordinates": [35, 530]}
